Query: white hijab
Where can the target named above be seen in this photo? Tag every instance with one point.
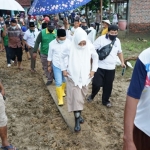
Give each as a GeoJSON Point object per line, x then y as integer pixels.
{"type": "Point", "coordinates": [79, 59]}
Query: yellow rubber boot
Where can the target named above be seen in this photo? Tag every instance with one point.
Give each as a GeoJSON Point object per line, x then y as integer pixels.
{"type": "Point", "coordinates": [63, 89]}
{"type": "Point", "coordinates": [59, 95]}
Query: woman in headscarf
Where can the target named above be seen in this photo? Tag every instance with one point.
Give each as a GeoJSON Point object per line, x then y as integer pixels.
{"type": "Point", "coordinates": [79, 72]}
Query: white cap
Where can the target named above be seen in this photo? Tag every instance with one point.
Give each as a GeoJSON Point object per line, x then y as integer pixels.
{"type": "Point", "coordinates": [107, 21]}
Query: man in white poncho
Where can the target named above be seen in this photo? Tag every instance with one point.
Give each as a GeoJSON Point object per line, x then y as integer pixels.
{"type": "Point", "coordinates": [78, 72]}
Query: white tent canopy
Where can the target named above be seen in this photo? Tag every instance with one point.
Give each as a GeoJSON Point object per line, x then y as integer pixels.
{"type": "Point", "coordinates": [10, 5]}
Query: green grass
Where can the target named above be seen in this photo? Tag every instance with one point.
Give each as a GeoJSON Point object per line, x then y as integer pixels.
{"type": "Point", "coordinates": [132, 47]}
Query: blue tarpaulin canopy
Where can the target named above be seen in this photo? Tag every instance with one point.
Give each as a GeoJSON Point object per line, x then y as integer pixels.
{"type": "Point", "coordinates": [44, 7]}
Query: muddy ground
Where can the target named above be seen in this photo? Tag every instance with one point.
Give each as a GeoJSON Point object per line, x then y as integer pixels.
{"type": "Point", "coordinates": [36, 124]}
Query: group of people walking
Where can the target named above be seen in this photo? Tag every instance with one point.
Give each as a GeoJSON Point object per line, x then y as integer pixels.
{"type": "Point", "coordinates": [70, 59]}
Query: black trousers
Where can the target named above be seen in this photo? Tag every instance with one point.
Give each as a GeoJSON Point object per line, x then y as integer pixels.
{"type": "Point", "coordinates": [103, 78]}
{"type": "Point", "coordinates": [97, 26]}
{"type": "Point", "coordinates": [16, 52]}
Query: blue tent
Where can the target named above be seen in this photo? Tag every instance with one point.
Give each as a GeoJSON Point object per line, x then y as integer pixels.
{"type": "Point", "coordinates": [43, 7]}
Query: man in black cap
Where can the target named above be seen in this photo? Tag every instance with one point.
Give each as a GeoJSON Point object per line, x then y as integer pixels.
{"type": "Point", "coordinates": [29, 40]}
{"type": "Point", "coordinates": [56, 47]}
{"type": "Point", "coordinates": [45, 37]}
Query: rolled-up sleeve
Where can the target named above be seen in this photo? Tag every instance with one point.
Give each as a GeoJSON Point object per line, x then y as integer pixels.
{"type": "Point", "coordinates": [94, 59]}
{"type": "Point", "coordinates": [97, 43]}
{"type": "Point", "coordinates": [64, 54]}
{"type": "Point", "coordinates": [37, 42]}
{"type": "Point", "coordinates": [119, 46]}
{"type": "Point", "coordinates": [25, 36]}
{"type": "Point", "coordinates": [50, 53]}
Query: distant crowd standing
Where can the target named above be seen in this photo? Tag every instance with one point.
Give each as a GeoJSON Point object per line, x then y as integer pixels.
{"type": "Point", "coordinates": [70, 57]}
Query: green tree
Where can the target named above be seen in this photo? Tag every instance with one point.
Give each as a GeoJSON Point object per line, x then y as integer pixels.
{"type": "Point", "coordinates": [95, 4]}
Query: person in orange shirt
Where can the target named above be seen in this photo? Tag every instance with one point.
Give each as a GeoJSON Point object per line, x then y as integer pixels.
{"type": "Point", "coordinates": [106, 24]}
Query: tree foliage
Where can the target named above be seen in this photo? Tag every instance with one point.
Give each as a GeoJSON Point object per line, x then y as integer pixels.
{"type": "Point", "coordinates": [95, 4]}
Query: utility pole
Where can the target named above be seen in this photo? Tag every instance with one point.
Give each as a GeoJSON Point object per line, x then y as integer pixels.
{"type": "Point", "coordinates": [101, 6]}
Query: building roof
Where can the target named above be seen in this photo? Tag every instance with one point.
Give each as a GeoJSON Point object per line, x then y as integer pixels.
{"type": "Point", "coordinates": [24, 2]}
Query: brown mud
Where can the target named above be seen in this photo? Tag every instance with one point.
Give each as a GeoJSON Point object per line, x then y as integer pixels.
{"type": "Point", "coordinates": [36, 124]}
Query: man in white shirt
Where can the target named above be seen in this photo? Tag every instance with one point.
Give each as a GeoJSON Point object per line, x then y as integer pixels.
{"type": "Point", "coordinates": [137, 109]}
{"type": "Point", "coordinates": [64, 25]}
{"type": "Point", "coordinates": [60, 24]}
{"type": "Point", "coordinates": [29, 40]}
{"type": "Point", "coordinates": [76, 25]}
{"type": "Point", "coordinates": [105, 74]}
{"type": "Point", "coordinates": [115, 19]}
{"type": "Point", "coordinates": [92, 33]}
{"type": "Point", "coordinates": [56, 47]}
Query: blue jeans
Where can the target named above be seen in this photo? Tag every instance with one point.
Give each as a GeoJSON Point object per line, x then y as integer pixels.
{"type": "Point", "coordinates": [8, 54]}
{"type": "Point", "coordinates": [59, 78]}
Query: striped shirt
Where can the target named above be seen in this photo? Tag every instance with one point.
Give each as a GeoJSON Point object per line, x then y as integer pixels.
{"type": "Point", "coordinates": [15, 37]}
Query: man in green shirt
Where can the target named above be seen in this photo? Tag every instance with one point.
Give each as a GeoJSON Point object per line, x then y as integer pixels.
{"type": "Point", "coordinates": [5, 40]}
{"type": "Point", "coordinates": [45, 37]}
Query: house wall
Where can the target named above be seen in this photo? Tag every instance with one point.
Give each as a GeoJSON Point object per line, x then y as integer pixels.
{"type": "Point", "coordinates": [139, 15]}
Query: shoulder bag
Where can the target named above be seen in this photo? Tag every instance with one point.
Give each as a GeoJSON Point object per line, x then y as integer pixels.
{"type": "Point", "coordinates": [105, 51]}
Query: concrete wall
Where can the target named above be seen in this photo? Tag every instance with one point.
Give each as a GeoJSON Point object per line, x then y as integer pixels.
{"type": "Point", "coordinates": [139, 15]}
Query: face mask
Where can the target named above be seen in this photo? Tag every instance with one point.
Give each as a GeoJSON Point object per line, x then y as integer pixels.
{"type": "Point", "coordinates": [61, 42]}
{"type": "Point", "coordinates": [14, 27]}
{"type": "Point", "coordinates": [84, 27]}
{"type": "Point", "coordinates": [112, 37]}
{"type": "Point", "coordinates": [81, 47]}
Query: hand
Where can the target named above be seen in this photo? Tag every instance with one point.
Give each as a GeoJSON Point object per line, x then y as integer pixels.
{"type": "Point", "coordinates": [29, 47]}
{"type": "Point", "coordinates": [4, 27]}
{"type": "Point", "coordinates": [49, 68]}
{"type": "Point", "coordinates": [23, 48]}
{"type": "Point", "coordinates": [3, 92]}
{"type": "Point", "coordinates": [129, 145]}
{"type": "Point", "coordinates": [123, 65]}
{"type": "Point", "coordinates": [34, 55]}
{"type": "Point", "coordinates": [91, 75]}
{"type": "Point", "coordinates": [65, 22]}
{"type": "Point", "coordinates": [65, 73]}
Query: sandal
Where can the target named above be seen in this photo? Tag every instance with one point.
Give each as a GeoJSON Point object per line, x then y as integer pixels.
{"type": "Point", "coordinates": [10, 147]}
{"type": "Point", "coordinates": [108, 105]}
{"type": "Point", "coordinates": [33, 71]}
{"type": "Point", "coordinates": [20, 69]}
{"type": "Point", "coordinates": [15, 63]}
